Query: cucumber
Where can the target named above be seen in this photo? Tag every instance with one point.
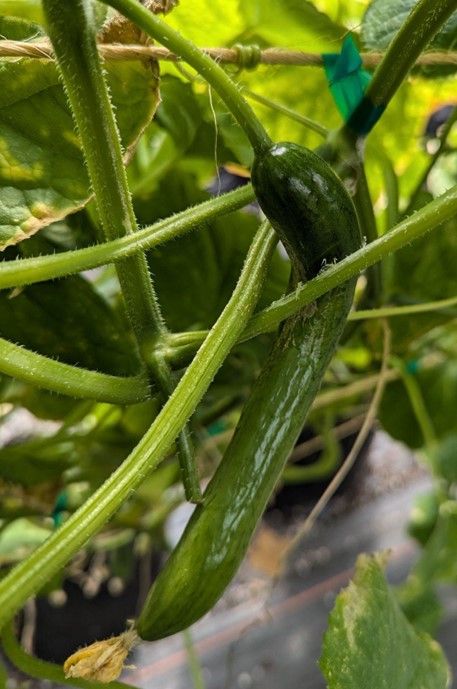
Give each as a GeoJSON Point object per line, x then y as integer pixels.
{"type": "Point", "coordinates": [314, 217]}
{"type": "Point", "coordinates": [307, 205]}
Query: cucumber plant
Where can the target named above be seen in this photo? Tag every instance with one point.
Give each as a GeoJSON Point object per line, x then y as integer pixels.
{"type": "Point", "coordinates": [168, 338]}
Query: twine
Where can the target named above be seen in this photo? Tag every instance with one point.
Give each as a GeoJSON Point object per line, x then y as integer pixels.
{"type": "Point", "coordinates": [245, 56]}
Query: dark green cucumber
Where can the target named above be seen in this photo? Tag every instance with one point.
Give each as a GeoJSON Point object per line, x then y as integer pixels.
{"type": "Point", "coordinates": [315, 206]}
{"type": "Point", "coordinates": [307, 205]}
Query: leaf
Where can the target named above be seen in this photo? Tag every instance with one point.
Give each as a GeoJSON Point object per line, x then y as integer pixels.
{"type": "Point", "coordinates": [42, 175]}
{"type": "Point", "coordinates": [423, 272]}
{"type": "Point", "coordinates": [384, 18]}
{"type": "Point", "coordinates": [370, 643]}
{"type": "Point", "coordinates": [438, 387]}
{"type": "Point", "coordinates": [438, 561]}
{"type": "Point", "coordinates": [35, 462]}
{"type": "Point", "coordinates": [68, 320]}
{"type": "Point", "coordinates": [168, 137]}
{"type": "Point", "coordinates": [420, 604]}
{"type": "Point", "coordinates": [295, 23]}
{"type": "Point", "coordinates": [27, 9]}
{"type": "Point", "coordinates": [19, 538]}
{"type": "Point", "coordinates": [216, 23]}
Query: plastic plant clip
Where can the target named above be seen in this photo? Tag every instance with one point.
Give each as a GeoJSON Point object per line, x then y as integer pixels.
{"type": "Point", "coordinates": [348, 81]}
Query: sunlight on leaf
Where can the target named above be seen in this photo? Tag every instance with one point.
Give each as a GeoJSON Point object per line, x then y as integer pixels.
{"type": "Point", "coordinates": [42, 175]}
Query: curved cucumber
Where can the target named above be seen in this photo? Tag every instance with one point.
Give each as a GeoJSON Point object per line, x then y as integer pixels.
{"type": "Point", "coordinates": [315, 205]}
{"type": "Point", "coordinates": [307, 205]}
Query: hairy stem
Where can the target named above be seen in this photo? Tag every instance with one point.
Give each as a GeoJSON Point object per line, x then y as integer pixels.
{"type": "Point", "coordinates": [428, 218]}
{"type": "Point", "coordinates": [27, 271]}
{"type": "Point", "coordinates": [30, 367]}
{"type": "Point", "coordinates": [73, 35]}
{"type": "Point", "coordinates": [31, 573]}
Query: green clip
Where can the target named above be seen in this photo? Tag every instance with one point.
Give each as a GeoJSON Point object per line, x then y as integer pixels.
{"type": "Point", "coordinates": [348, 81]}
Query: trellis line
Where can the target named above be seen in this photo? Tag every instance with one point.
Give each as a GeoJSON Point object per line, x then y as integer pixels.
{"type": "Point", "coordinates": [270, 56]}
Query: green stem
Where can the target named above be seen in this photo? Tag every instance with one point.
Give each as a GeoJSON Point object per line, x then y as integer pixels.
{"type": "Point", "coordinates": [417, 403]}
{"type": "Point", "coordinates": [203, 64]}
{"type": "Point", "coordinates": [388, 311]}
{"type": "Point", "coordinates": [73, 36]}
{"type": "Point", "coordinates": [422, 24]}
{"type": "Point", "coordinates": [28, 271]}
{"type": "Point", "coordinates": [291, 114]}
{"type": "Point", "coordinates": [65, 379]}
{"type": "Point", "coordinates": [193, 660]}
{"type": "Point", "coordinates": [428, 218]}
{"type": "Point", "coordinates": [3, 675]}
{"type": "Point", "coordinates": [391, 189]}
{"type": "Point", "coordinates": [431, 216]}
{"type": "Point", "coordinates": [416, 32]}
{"type": "Point", "coordinates": [367, 221]}
{"type": "Point", "coordinates": [31, 573]}
{"type": "Point", "coordinates": [43, 670]}
{"type": "Point", "coordinates": [326, 464]}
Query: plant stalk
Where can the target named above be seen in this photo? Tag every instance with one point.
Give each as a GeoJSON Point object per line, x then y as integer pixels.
{"type": "Point", "coordinates": [34, 571]}
{"type": "Point", "coordinates": [73, 36]}
{"type": "Point", "coordinates": [28, 271]}
{"type": "Point", "coordinates": [65, 379]}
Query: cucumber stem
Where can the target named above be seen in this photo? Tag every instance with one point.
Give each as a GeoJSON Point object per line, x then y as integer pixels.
{"type": "Point", "coordinates": [203, 64]}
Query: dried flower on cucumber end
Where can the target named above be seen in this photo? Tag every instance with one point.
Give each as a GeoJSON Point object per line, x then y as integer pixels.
{"type": "Point", "coordinates": [102, 660]}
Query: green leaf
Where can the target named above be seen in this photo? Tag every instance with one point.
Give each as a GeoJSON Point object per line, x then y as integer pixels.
{"type": "Point", "coordinates": [438, 561]}
{"type": "Point", "coordinates": [27, 9]}
{"type": "Point", "coordinates": [19, 538]}
{"type": "Point", "coordinates": [446, 458]}
{"type": "Point", "coordinates": [179, 112]}
{"type": "Point", "coordinates": [42, 176]}
{"type": "Point", "coordinates": [216, 23]}
{"type": "Point", "coordinates": [168, 137]}
{"type": "Point", "coordinates": [370, 643]}
{"type": "Point", "coordinates": [384, 18]}
{"type": "Point", "coordinates": [36, 461]}
{"type": "Point", "coordinates": [423, 272]}
{"type": "Point", "coordinates": [294, 23]}
{"type": "Point", "coordinates": [438, 386]}
{"type": "Point", "coordinates": [420, 604]}
{"type": "Point", "coordinates": [69, 321]}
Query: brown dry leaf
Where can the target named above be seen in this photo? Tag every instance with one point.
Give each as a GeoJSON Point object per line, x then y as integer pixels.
{"type": "Point", "coordinates": [267, 550]}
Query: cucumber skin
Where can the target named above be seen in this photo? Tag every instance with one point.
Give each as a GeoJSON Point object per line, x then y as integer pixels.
{"type": "Point", "coordinates": [218, 533]}
{"type": "Point", "coordinates": [307, 205]}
